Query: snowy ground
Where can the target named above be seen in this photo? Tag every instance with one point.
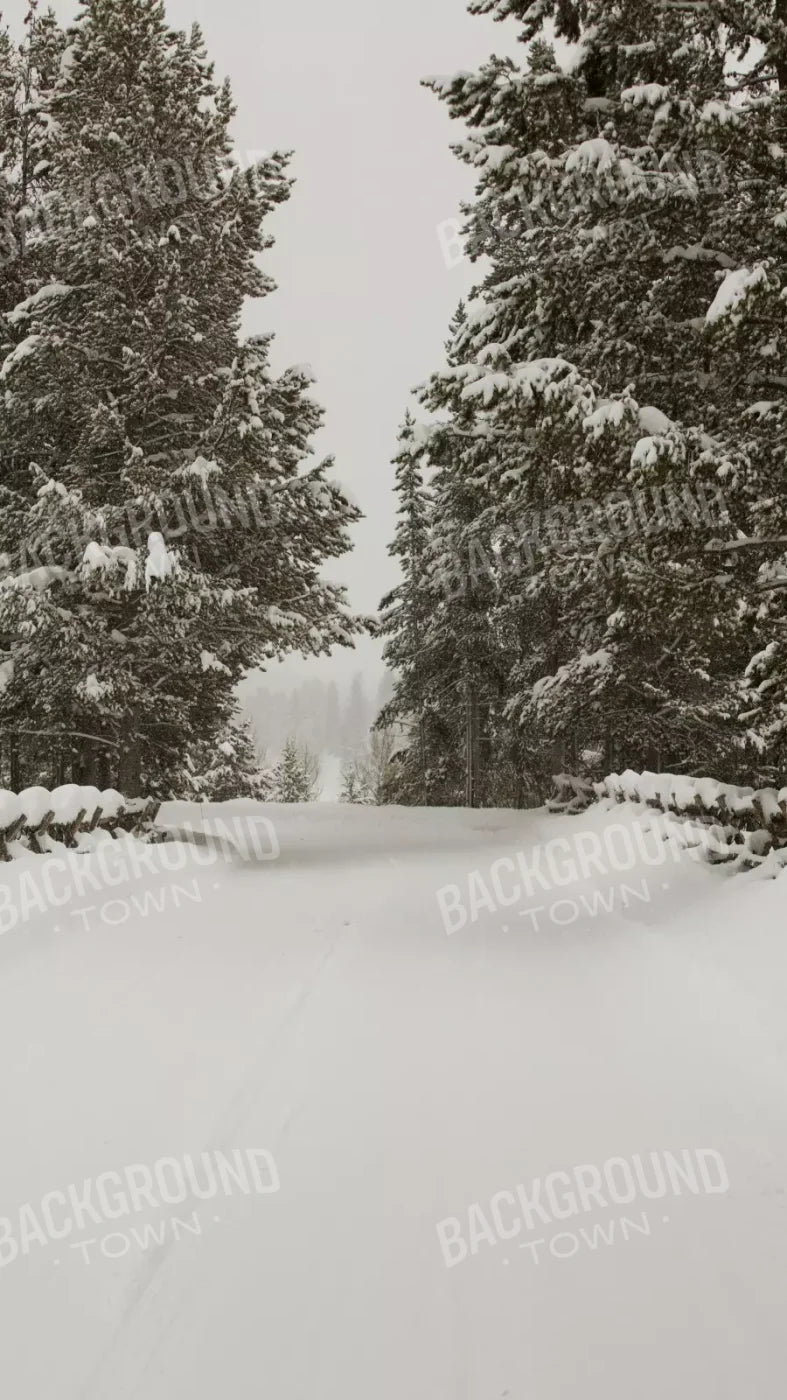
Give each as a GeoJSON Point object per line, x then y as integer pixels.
{"type": "Point", "coordinates": [315, 1007]}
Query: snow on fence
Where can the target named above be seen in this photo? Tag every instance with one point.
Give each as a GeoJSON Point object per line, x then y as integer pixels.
{"type": "Point", "coordinates": [30, 820]}
{"type": "Point", "coordinates": [743, 825]}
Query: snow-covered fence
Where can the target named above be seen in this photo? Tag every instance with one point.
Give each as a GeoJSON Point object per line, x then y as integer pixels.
{"type": "Point", "coordinates": [740, 824]}
{"type": "Point", "coordinates": [572, 795]}
{"type": "Point", "coordinates": [30, 820]}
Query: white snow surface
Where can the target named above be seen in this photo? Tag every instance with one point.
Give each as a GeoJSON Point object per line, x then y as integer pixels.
{"type": "Point", "coordinates": [644, 94]}
{"type": "Point", "coordinates": [95, 689]}
{"type": "Point", "coordinates": [111, 802]}
{"type": "Point", "coordinates": [607, 413]}
{"type": "Point", "coordinates": [38, 579]}
{"type": "Point", "coordinates": [22, 351]}
{"type": "Point", "coordinates": [201, 468]}
{"type": "Point", "coordinates": [10, 808]}
{"type": "Point", "coordinates": [31, 303]}
{"type": "Point", "coordinates": [35, 802]}
{"type": "Point", "coordinates": [210, 662]}
{"type": "Point", "coordinates": [101, 557]}
{"type": "Point", "coordinates": [595, 154]}
{"type": "Point", "coordinates": [652, 420]}
{"type": "Point", "coordinates": [314, 1006]}
{"type": "Point", "coordinates": [733, 292]}
{"type": "Point", "coordinates": [66, 802]}
{"type": "Point", "coordinates": [646, 452]}
{"type": "Point", "coordinates": [159, 563]}
{"type": "Point", "coordinates": [720, 112]}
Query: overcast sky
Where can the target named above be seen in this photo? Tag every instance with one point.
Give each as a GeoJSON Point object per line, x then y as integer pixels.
{"type": "Point", "coordinates": [364, 295]}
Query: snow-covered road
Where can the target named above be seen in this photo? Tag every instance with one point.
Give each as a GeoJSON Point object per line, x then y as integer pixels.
{"type": "Point", "coordinates": [314, 1006]}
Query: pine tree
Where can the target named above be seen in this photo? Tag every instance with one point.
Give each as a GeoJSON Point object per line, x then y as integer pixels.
{"type": "Point", "coordinates": [294, 778]}
{"type": "Point", "coordinates": [353, 787]}
{"type": "Point", "coordinates": [452, 669]}
{"type": "Point", "coordinates": [230, 769]}
{"type": "Point", "coordinates": [375, 766]}
{"type": "Point", "coordinates": [153, 417]}
{"type": "Point", "coordinates": [28, 74]}
{"type": "Point", "coordinates": [600, 358]}
{"type": "Point", "coordinates": [367, 776]}
{"type": "Point", "coordinates": [404, 615]}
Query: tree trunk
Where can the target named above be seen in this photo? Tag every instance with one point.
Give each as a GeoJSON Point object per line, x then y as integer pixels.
{"type": "Point", "coordinates": [16, 767]}
{"type": "Point", "coordinates": [609, 753]}
{"type": "Point", "coordinates": [471, 747]}
{"type": "Point", "coordinates": [130, 770]}
{"type": "Point", "coordinates": [558, 755]}
{"type": "Point", "coordinates": [84, 766]}
{"type": "Point", "coordinates": [780, 60]}
{"type": "Point", "coordinates": [104, 770]}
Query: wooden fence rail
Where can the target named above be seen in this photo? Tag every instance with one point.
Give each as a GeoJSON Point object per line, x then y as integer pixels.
{"type": "Point", "coordinates": [747, 826]}
{"type": "Point", "coordinates": [29, 820]}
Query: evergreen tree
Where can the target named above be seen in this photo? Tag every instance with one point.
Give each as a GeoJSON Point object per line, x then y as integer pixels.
{"type": "Point", "coordinates": [630, 206]}
{"type": "Point", "coordinates": [450, 669]}
{"type": "Point", "coordinates": [28, 73]}
{"type": "Point", "coordinates": [231, 768]}
{"type": "Point", "coordinates": [375, 766]}
{"type": "Point", "coordinates": [293, 777]}
{"type": "Point", "coordinates": [367, 777]}
{"type": "Point", "coordinates": [404, 615]}
{"type": "Point", "coordinates": [353, 786]}
{"type": "Point", "coordinates": [127, 392]}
